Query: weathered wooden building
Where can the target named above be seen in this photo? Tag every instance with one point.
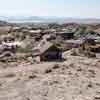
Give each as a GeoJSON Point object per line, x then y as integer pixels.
{"type": "Point", "coordinates": [66, 35]}
{"type": "Point", "coordinates": [74, 43]}
{"type": "Point", "coordinates": [47, 52]}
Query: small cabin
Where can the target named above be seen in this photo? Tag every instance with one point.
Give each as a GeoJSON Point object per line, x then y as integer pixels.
{"type": "Point", "coordinates": [66, 35]}
{"type": "Point", "coordinates": [74, 43]}
{"type": "Point", "coordinates": [48, 52]}
{"type": "Point", "coordinates": [92, 38]}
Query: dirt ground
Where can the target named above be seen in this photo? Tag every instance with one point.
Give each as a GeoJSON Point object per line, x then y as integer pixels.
{"type": "Point", "coordinates": [77, 78]}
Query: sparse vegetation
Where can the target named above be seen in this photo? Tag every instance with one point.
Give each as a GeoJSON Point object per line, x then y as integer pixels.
{"type": "Point", "coordinates": [45, 65]}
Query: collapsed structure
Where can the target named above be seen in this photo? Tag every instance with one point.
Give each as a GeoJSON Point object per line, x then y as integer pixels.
{"type": "Point", "coordinates": [47, 51]}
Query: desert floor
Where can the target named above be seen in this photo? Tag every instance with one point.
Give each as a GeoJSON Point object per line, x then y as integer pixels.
{"type": "Point", "coordinates": [76, 78]}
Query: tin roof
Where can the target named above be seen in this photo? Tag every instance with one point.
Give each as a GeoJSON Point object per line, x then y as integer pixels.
{"type": "Point", "coordinates": [42, 47]}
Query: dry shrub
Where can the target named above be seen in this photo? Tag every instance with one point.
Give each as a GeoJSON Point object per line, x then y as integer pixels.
{"type": "Point", "coordinates": [10, 75]}
{"type": "Point", "coordinates": [48, 71]}
{"type": "Point", "coordinates": [56, 66]}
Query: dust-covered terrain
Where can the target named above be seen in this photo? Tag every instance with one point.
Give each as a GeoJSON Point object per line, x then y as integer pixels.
{"type": "Point", "coordinates": [77, 78]}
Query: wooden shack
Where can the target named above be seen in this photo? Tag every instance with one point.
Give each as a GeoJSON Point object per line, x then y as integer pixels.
{"type": "Point", "coordinates": [48, 52]}
{"type": "Point", "coordinates": [74, 43]}
{"type": "Point", "coordinates": [66, 35]}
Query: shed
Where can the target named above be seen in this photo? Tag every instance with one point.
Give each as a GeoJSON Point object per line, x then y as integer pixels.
{"type": "Point", "coordinates": [91, 38]}
{"type": "Point", "coordinates": [74, 43]}
{"type": "Point", "coordinates": [66, 35]}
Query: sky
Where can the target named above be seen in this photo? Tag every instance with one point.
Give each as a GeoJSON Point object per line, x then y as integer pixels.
{"type": "Point", "coordinates": [60, 8]}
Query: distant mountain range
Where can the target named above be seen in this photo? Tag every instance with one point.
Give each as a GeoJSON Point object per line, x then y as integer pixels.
{"type": "Point", "coordinates": [37, 19]}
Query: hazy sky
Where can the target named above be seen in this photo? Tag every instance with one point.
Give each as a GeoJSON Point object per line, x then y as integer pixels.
{"type": "Point", "coordinates": [68, 8]}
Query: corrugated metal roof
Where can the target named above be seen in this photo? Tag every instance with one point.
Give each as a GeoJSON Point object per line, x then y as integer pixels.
{"type": "Point", "coordinates": [42, 47]}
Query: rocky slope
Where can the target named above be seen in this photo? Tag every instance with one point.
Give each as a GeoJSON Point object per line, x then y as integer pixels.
{"type": "Point", "coordinates": [76, 78]}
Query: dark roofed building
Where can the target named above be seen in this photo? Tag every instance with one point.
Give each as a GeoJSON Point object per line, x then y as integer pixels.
{"type": "Point", "coordinates": [91, 39]}
{"type": "Point", "coordinates": [66, 35]}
